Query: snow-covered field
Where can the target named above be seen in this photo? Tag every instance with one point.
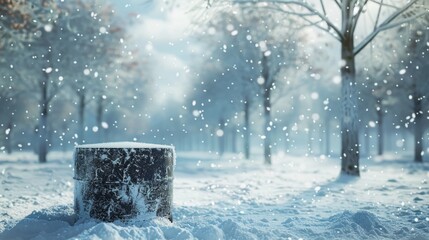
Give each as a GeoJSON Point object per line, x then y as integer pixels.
{"type": "Point", "coordinates": [230, 198]}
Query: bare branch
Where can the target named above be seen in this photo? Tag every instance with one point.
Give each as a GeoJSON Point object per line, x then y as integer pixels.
{"type": "Point", "coordinates": [324, 11]}
{"type": "Point", "coordinates": [355, 18]}
{"type": "Point", "coordinates": [316, 24]}
{"type": "Point", "coordinates": [338, 4]}
{"type": "Point", "coordinates": [378, 15]}
{"type": "Point", "coordinates": [387, 24]}
{"type": "Point", "coordinates": [304, 16]}
{"type": "Point", "coordinates": [381, 2]}
{"type": "Point", "coordinates": [305, 5]}
{"type": "Point", "coordinates": [278, 8]}
{"type": "Point", "coordinates": [323, 7]}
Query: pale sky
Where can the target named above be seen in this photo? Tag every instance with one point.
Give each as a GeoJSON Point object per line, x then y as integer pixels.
{"type": "Point", "coordinates": [162, 37]}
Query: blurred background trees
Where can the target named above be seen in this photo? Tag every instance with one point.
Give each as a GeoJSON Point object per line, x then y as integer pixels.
{"type": "Point", "coordinates": [62, 56]}
{"type": "Point", "coordinates": [257, 79]}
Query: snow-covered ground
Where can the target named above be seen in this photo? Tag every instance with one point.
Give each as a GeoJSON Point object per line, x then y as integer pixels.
{"type": "Point", "coordinates": [230, 198]}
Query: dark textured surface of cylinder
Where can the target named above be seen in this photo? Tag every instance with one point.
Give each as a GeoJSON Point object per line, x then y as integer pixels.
{"type": "Point", "coordinates": [121, 181]}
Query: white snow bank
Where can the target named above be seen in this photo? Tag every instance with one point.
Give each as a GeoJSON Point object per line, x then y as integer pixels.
{"type": "Point", "coordinates": [60, 224]}
{"type": "Point", "coordinates": [357, 223]}
{"type": "Point", "coordinates": [123, 145]}
{"type": "Point", "coordinates": [229, 198]}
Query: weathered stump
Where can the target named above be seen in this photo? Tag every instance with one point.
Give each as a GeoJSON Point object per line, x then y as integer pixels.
{"type": "Point", "coordinates": [120, 181]}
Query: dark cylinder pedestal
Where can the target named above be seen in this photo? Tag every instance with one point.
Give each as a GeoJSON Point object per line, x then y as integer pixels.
{"type": "Point", "coordinates": [120, 181]}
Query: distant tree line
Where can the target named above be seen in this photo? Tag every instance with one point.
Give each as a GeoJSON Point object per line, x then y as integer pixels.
{"type": "Point", "coordinates": [252, 44]}
{"type": "Point", "coordinates": [59, 61]}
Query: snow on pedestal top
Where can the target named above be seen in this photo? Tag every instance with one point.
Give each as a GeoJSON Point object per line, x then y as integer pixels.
{"type": "Point", "coordinates": [123, 145]}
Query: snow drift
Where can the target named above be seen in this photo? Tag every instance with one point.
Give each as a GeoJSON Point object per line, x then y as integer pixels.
{"type": "Point", "coordinates": [230, 198]}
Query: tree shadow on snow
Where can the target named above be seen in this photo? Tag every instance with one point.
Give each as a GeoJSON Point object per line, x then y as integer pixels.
{"type": "Point", "coordinates": [41, 222]}
{"type": "Point", "coordinates": [316, 226]}
{"type": "Point", "coordinates": [335, 185]}
{"type": "Point", "coordinates": [344, 221]}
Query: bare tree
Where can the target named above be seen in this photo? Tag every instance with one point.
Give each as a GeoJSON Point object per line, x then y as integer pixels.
{"type": "Point", "coordinates": [9, 92]}
{"type": "Point", "coordinates": [46, 85]}
{"type": "Point", "coordinates": [413, 81]}
{"type": "Point", "coordinates": [21, 19]}
{"type": "Point", "coordinates": [378, 83]}
{"type": "Point", "coordinates": [226, 80]}
{"type": "Point", "coordinates": [90, 29]}
{"type": "Point", "coordinates": [20, 22]}
{"type": "Point", "coordinates": [258, 53]}
{"type": "Point", "coordinates": [318, 14]}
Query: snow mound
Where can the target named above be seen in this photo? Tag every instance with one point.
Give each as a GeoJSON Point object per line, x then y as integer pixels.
{"type": "Point", "coordinates": [209, 232]}
{"type": "Point", "coordinates": [111, 231]}
{"type": "Point", "coordinates": [59, 222]}
{"type": "Point", "coordinates": [235, 231]}
{"type": "Point", "coordinates": [361, 223]}
{"type": "Point", "coordinates": [123, 145]}
{"type": "Point", "coordinates": [228, 198]}
{"type": "Point", "coordinates": [45, 221]}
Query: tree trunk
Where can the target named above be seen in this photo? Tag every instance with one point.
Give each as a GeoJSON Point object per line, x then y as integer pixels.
{"type": "Point", "coordinates": [190, 141]}
{"type": "Point", "coordinates": [99, 119]}
{"type": "Point", "coordinates": [63, 141]}
{"type": "Point", "coordinates": [405, 140]}
{"type": "Point", "coordinates": [247, 129]}
{"type": "Point", "coordinates": [43, 126]}
{"type": "Point", "coordinates": [221, 136]}
{"type": "Point", "coordinates": [267, 127]}
{"type": "Point", "coordinates": [234, 140]}
{"type": "Point", "coordinates": [81, 116]}
{"type": "Point", "coordinates": [327, 135]}
{"type": "Point", "coordinates": [287, 139]}
{"type": "Point", "coordinates": [310, 138]}
{"type": "Point", "coordinates": [213, 139]}
{"type": "Point", "coordinates": [43, 119]}
{"type": "Point", "coordinates": [321, 135]}
{"type": "Point", "coordinates": [267, 110]}
{"type": "Point", "coordinates": [349, 129]}
{"type": "Point", "coordinates": [418, 129]}
{"type": "Point", "coordinates": [8, 138]}
{"type": "Point", "coordinates": [43, 135]}
{"type": "Point", "coordinates": [206, 140]}
{"type": "Point", "coordinates": [380, 131]}
{"type": "Point", "coordinates": [194, 141]}
{"type": "Point", "coordinates": [367, 143]}
{"type": "Point", "coordinates": [200, 140]}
